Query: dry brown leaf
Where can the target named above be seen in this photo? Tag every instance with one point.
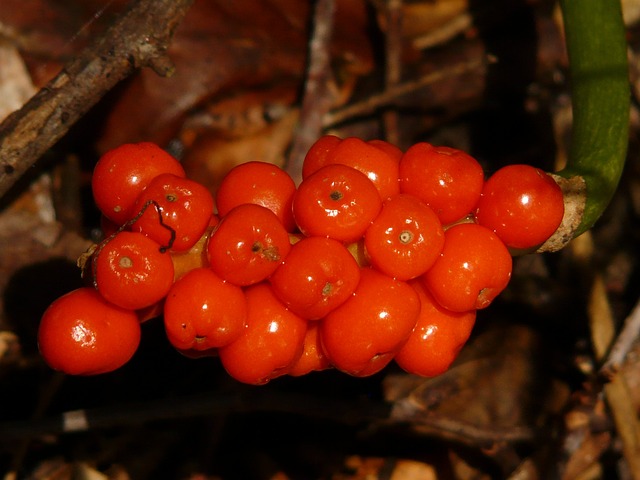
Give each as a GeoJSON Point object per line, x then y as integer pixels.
{"type": "Point", "coordinates": [219, 50]}
{"type": "Point", "coordinates": [212, 155]}
{"type": "Point", "coordinates": [375, 468]}
{"type": "Point", "coordinates": [492, 394]}
{"type": "Point", "coordinates": [50, 32]}
{"type": "Point", "coordinates": [463, 470]}
{"type": "Point", "coordinates": [15, 83]}
{"type": "Point", "coordinates": [413, 470]}
{"type": "Point", "coordinates": [587, 455]}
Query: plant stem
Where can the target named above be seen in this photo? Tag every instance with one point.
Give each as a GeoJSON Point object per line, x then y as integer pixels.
{"type": "Point", "coordinates": [597, 49]}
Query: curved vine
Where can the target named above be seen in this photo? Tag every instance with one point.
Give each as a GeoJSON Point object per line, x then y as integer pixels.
{"type": "Point", "coordinates": [597, 50]}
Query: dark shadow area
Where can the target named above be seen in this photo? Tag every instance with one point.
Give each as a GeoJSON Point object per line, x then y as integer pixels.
{"type": "Point", "coordinates": [504, 130]}
{"type": "Point", "coordinates": [31, 290]}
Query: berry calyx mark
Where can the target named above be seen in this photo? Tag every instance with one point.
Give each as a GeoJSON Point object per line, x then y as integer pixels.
{"type": "Point", "coordinates": [336, 195]}
{"type": "Point", "coordinates": [484, 298]}
{"type": "Point", "coordinates": [327, 289]}
{"type": "Point", "coordinates": [171, 197]}
{"type": "Point", "coordinates": [271, 253]}
{"type": "Point", "coordinates": [405, 237]}
{"type": "Point", "coordinates": [125, 262]}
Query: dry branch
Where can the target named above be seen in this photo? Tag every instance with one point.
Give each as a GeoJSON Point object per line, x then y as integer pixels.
{"type": "Point", "coordinates": [139, 38]}
{"type": "Point", "coordinates": [317, 98]}
{"type": "Point", "coordinates": [391, 94]}
{"type": "Point", "coordinates": [393, 66]}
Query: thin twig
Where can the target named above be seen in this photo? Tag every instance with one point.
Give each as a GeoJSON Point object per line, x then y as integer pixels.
{"type": "Point", "coordinates": [393, 65]}
{"type": "Point", "coordinates": [391, 95]}
{"type": "Point", "coordinates": [459, 430]}
{"type": "Point", "coordinates": [139, 38]}
{"type": "Point", "coordinates": [317, 99]}
{"type": "Point", "coordinates": [241, 400]}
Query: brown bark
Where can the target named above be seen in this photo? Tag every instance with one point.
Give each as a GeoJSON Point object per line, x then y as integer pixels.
{"type": "Point", "coordinates": [139, 38]}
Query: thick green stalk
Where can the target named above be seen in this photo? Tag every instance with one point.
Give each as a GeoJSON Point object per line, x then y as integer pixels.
{"type": "Point", "coordinates": [597, 48]}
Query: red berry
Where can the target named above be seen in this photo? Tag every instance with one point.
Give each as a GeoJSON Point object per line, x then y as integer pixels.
{"type": "Point", "coordinates": [316, 157]}
{"type": "Point", "coordinates": [247, 245]}
{"type": "Point", "coordinates": [473, 268]}
{"type": "Point", "coordinates": [202, 311]}
{"type": "Point", "coordinates": [380, 166]}
{"type": "Point", "coordinates": [448, 180]}
{"type": "Point", "coordinates": [362, 335]}
{"type": "Point", "coordinates": [271, 342]}
{"type": "Point", "coordinates": [83, 334]}
{"type": "Point", "coordinates": [437, 338]}
{"type": "Point", "coordinates": [318, 275]}
{"type": "Point", "coordinates": [337, 201]}
{"type": "Point", "coordinates": [176, 211]}
{"type": "Point", "coordinates": [389, 148]}
{"type": "Point", "coordinates": [132, 271]}
{"type": "Point", "coordinates": [313, 358]}
{"type": "Point", "coordinates": [121, 174]}
{"type": "Point", "coordinates": [522, 204]}
{"type": "Point", "coordinates": [260, 183]}
{"type": "Point", "coordinates": [405, 238]}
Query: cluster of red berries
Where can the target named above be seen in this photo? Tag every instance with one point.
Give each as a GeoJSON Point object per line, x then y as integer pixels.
{"type": "Point", "coordinates": [378, 255]}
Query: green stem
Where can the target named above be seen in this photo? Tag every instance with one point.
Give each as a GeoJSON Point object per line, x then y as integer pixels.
{"type": "Point", "coordinates": [597, 49]}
